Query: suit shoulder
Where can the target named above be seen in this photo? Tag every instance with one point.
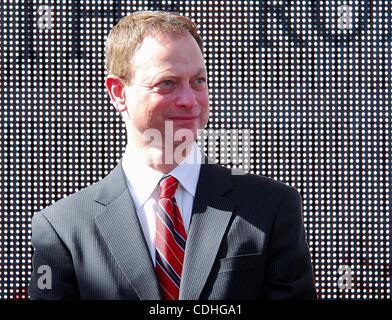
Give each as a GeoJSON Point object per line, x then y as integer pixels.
{"type": "Point", "coordinates": [76, 203]}
{"type": "Point", "coordinates": [255, 188]}
{"type": "Point", "coordinates": [258, 182]}
{"type": "Point", "coordinates": [84, 205]}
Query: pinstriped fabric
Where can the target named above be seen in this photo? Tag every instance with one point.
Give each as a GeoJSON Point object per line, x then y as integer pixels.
{"type": "Point", "coordinates": [95, 246]}
{"type": "Point", "coordinates": [170, 241]}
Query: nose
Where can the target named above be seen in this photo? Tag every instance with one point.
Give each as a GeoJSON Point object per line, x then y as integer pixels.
{"type": "Point", "coordinates": [186, 97]}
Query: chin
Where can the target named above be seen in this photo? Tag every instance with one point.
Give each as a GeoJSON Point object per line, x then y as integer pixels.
{"type": "Point", "coordinates": [185, 133]}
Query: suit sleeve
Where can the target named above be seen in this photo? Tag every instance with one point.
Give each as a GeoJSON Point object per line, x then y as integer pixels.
{"type": "Point", "coordinates": [53, 275]}
{"type": "Point", "coordinates": [289, 273]}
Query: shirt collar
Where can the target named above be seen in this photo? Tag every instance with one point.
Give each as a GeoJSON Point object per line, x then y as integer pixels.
{"type": "Point", "coordinates": [142, 179]}
{"type": "Point", "coordinates": [187, 172]}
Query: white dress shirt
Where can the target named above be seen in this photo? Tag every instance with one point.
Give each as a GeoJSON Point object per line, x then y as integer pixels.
{"type": "Point", "coordinates": [142, 182]}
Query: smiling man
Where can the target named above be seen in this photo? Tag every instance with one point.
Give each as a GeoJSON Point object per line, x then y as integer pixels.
{"type": "Point", "coordinates": [166, 91]}
{"type": "Point", "coordinates": [167, 223]}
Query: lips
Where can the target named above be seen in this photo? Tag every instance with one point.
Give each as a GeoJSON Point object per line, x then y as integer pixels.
{"type": "Point", "coordinates": [183, 117]}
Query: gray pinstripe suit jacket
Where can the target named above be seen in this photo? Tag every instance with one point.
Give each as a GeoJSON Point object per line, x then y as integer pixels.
{"type": "Point", "coordinates": [246, 241]}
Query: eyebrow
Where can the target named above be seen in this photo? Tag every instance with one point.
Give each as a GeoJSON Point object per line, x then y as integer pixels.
{"type": "Point", "coordinates": [159, 75]}
{"type": "Point", "coordinates": [198, 72]}
{"type": "Point", "coordinates": [201, 70]}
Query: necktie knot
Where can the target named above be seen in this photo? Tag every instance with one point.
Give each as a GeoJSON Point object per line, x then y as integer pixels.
{"type": "Point", "coordinates": [168, 186]}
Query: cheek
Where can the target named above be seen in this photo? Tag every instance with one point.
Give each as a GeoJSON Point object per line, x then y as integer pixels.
{"type": "Point", "coordinates": [202, 99]}
{"type": "Point", "coordinates": [155, 111]}
{"type": "Point", "coordinates": [203, 102]}
{"type": "Point", "coordinates": [146, 106]}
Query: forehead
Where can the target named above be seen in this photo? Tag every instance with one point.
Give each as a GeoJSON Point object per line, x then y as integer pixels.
{"type": "Point", "coordinates": [166, 52]}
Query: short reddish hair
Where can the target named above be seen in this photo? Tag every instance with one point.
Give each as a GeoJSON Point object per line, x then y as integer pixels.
{"type": "Point", "coordinates": [130, 31]}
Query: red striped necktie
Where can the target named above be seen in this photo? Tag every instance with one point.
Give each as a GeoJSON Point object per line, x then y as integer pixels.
{"type": "Point", "coordinates": [170, 240]}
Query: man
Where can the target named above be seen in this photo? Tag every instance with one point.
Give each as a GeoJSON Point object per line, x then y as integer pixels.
{"type": "Point", "coordinates": [166, 223]}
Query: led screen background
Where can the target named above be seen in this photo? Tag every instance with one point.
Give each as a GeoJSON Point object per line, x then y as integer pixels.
{"type": "Point", "coordinates": [306, 85]}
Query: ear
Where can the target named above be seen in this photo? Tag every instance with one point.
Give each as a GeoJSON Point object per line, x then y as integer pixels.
{"type": "Point", "coordinates": [116, 91]}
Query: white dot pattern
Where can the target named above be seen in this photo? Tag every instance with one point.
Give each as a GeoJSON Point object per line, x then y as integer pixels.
{"type": "Point", "coordinates": [299, 92]}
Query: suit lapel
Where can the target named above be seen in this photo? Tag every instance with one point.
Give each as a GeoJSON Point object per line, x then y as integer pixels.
{"type": "Point", "coordinates": [120, 228]}
{"type": "Point", "coordinates": [211, 214]}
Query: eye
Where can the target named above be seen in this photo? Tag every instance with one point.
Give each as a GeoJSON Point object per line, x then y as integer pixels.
{"type": "Point", "coordinates": [200, 83]}
{"type": "Point", "coordinates": [166, 86]}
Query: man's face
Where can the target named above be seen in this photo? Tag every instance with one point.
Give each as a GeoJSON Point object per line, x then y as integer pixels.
{"type": "Point", "coordinates": [169, 84]}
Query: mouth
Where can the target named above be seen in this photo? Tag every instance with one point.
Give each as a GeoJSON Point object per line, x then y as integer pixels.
{"type": "Point", "coordinates": [182, 117]}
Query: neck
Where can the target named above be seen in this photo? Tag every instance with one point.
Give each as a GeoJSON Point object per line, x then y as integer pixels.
{"type": "Point", "coordinates": [159, 158]}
